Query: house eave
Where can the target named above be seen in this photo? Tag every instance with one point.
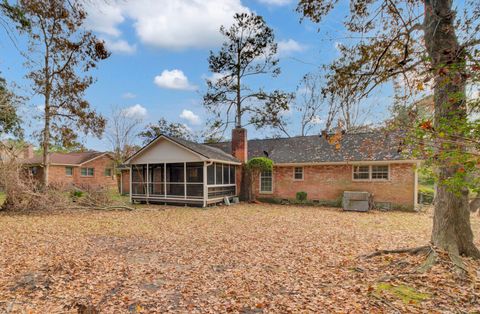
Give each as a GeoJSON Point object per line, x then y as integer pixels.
{"type": "Point", "coordinates": [349, 162]}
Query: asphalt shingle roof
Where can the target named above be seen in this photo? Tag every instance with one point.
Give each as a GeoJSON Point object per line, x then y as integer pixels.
{"type": "Point", "coordinates": [208, 151]}
{"type": "Point", "coordinates": [371, 146]}
{"type": "Point", "coordinates": [65, 158]}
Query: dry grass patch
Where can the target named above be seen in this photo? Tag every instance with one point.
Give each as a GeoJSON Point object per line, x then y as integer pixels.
{"type": "Point", "coordinates": [244, 258]}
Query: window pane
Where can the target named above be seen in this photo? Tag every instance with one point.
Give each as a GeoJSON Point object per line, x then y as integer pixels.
{"type": "Point", "coordinates": [266, 181]}
{"type": "Point", "coordinates": [361, 172]}
{"type": "Point", "coordinates": [175, 172]}
{"type": "Point", "coordinates": [219, 175]}
{"type": "Point", "coordinates": [195, 172]}
{"type": "Point", "coordinates": [68, 171]}
{"type": "Point", "coordinates": [83, 171]}
{"type": "Point", "coordinates": [211, 174]}
{"type": "Point", "coordinates": [380, 172]}
{"type": "Point", "coordinates": [298, 173]}
{"type": "Point", "coordinates": [90, 172]}
{"type": "Point", "coordinates": [108, 172]}
{"type": "Point", "coordinates": [232, 174]}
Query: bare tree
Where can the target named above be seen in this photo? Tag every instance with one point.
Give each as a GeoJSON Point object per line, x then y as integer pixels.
{"type": "Point", "coordinates": [121, 132]}
{"type": "Point", "coordinates": [60, 54]}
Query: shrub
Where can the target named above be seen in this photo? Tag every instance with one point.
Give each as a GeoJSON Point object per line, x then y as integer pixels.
{"type": "Point", "coordinates": [301, 196]}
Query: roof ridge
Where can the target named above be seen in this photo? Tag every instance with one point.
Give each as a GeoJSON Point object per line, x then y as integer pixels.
{"type": "Point", "coordinates": [292, 137]}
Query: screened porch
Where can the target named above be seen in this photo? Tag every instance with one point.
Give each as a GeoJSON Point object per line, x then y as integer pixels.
{"type": "Point", "coordinates": [200, 183]}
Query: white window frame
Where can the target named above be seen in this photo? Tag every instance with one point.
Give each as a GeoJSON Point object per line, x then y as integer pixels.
{"type": "Point", "coordinates": [295, 172]}
{"type": "Point", "coordinates": [87, 175]}
{"type": "Point", "coordinates": [105, 172]}
{"type": "Point", "coordinates": [66, 173]}
{"type": "Point", "coordinates": [370, 173]}
{"type": "Point", "coordinates": [260, 183]}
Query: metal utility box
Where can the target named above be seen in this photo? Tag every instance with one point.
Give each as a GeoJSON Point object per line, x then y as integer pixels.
{"type": "Point", "coordinates": [356, 201]}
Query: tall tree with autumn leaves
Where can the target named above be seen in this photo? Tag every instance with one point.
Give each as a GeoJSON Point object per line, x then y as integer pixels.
{"type": "Point", "coordinates": [422, 42]}
{"type": "Point", "coordinates": [61, 53]}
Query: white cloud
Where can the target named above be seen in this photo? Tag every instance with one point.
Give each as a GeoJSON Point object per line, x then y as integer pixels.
{"type": "Point", "coordinates": [136, 111]}
{"type": "Point", "coordinates": [120, 46]}
{"type": "Point", "coordinates": [104, 17]}
{"type": "Point", "coordinates": [190, 117]}
{"type": "Point", "coordinates": [173, 79]}
{"type": "Point", "coordinates": [275, 2]}
{"type": "Point", "coordinates": [129, 95]}
{"type": "Point", "coordinates": [175, 24]}
{"type": "Point", "coordinates": [289, 46]}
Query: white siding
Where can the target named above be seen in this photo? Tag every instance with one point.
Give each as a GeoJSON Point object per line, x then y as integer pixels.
{"type": "Point", "coordinates": [165, 151]}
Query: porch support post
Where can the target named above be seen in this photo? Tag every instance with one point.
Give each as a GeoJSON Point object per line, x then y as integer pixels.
{"type": "Point", "coordinates": [185, 180]}
{"type": "Point", "coordinates": [165, 180]}
{"type": "Point", "coordinates": [205, 187]}
{"type": "Point", "coordinates": [148, 183]}
{"type": "Point", "coordinates": [131, 184]}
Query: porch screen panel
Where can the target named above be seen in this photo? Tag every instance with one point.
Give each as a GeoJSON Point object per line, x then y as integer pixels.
{"type": "Point", "coordinates": [175, 180]}
{"type": "Point", "coordinates": [156, 173]}
{"type": "Point", "coordinates": [139, 179]}
{"type": "Point", "coordinates": [226, 174]}
{"type": "Point", "coordinates": [211, 174]}
{"type": "Point", "coordinates": [219, 174]}
{"type": "Point", "coordinates": [194, 180]}
{"type": "Point", "coordinates": [232, 174]}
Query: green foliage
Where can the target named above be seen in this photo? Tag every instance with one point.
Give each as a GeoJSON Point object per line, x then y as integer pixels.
{"type": "Point", "coordinates": [407, 294]}
{"type": "Point", "coordinates": [9, 119]}
{"type": "Point", "coordinates": [260, 164]}
{"type": "Point", "coordinates": [76, 194]}
{"type": "Point", "coordinates": [249, 50]}
{"type": "Point", "coordinates": [15, 14]}
{"type": "Point", "coordinates": [163, 127]}
{"type": "Point", "coordinates": [301, 196]}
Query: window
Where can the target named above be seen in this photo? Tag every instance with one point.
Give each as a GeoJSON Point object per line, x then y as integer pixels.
{"type": "Point", "coordinates": [266, 185]}
{"type": "Point", "coordinates": [108, 172]}
{"type": "Point", "coordinates": [371, 172]}
{"type": "Point", "coordinates": [87, 172]}
{"type": "Point", "coordinates": [361, 172]}
{"type": "Point", "coordinates": [69, 171]}
{"type": "Point", "coordinates": [33, 171]}
{"type": "Point", "coordinates": [380, 172]}
{"type": "Point", "coordinates": [298, 173]}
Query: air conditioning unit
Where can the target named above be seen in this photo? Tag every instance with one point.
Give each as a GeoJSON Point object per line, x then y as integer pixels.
{"type": "Point", "coordinates": [356, 201]}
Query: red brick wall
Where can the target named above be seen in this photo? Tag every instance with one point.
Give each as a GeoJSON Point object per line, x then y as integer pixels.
{"type": "Point", "coordinates": [58, 174]}
{"type": "Point", "coordinates": [240, 144]}
{"type": "Point", "coordinates": [329, 182]}
{"type": "Point", "coordinates": [125, 178]}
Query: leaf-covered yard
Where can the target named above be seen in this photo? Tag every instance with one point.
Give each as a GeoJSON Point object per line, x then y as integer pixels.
{"type": "Point", "coordinates": [243, 258]}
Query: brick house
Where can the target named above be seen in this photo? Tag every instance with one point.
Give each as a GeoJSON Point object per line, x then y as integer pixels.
{"type": "Point", "coordinates": [78, 169]}
{"type": "Point", "coordinates": [371, 162]}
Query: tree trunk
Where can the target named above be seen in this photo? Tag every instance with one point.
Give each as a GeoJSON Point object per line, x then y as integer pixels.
{"type": "Point", "coordinates": [45, 146]}
{"type": "Point", "coordinates": [451, 222]}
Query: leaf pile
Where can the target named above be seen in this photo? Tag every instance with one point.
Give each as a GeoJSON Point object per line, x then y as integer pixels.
{"type": "Point", "coordinates": [243, 258]}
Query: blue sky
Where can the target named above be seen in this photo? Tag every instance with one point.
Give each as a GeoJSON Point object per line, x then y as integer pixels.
{"type": "Point", "coordinates": [159, 56]}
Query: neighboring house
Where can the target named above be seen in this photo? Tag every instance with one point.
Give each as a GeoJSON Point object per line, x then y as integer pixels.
{"type": "Point", "coordinates": [371, 162]}
{"type": "Point", "coordinates": [79, 169]}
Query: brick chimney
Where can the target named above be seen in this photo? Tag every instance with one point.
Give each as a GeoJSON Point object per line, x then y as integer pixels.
{"type": "Point", "coordinates": [240, 144]}
{"type": "Point", "coordinates": [28, 152]}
